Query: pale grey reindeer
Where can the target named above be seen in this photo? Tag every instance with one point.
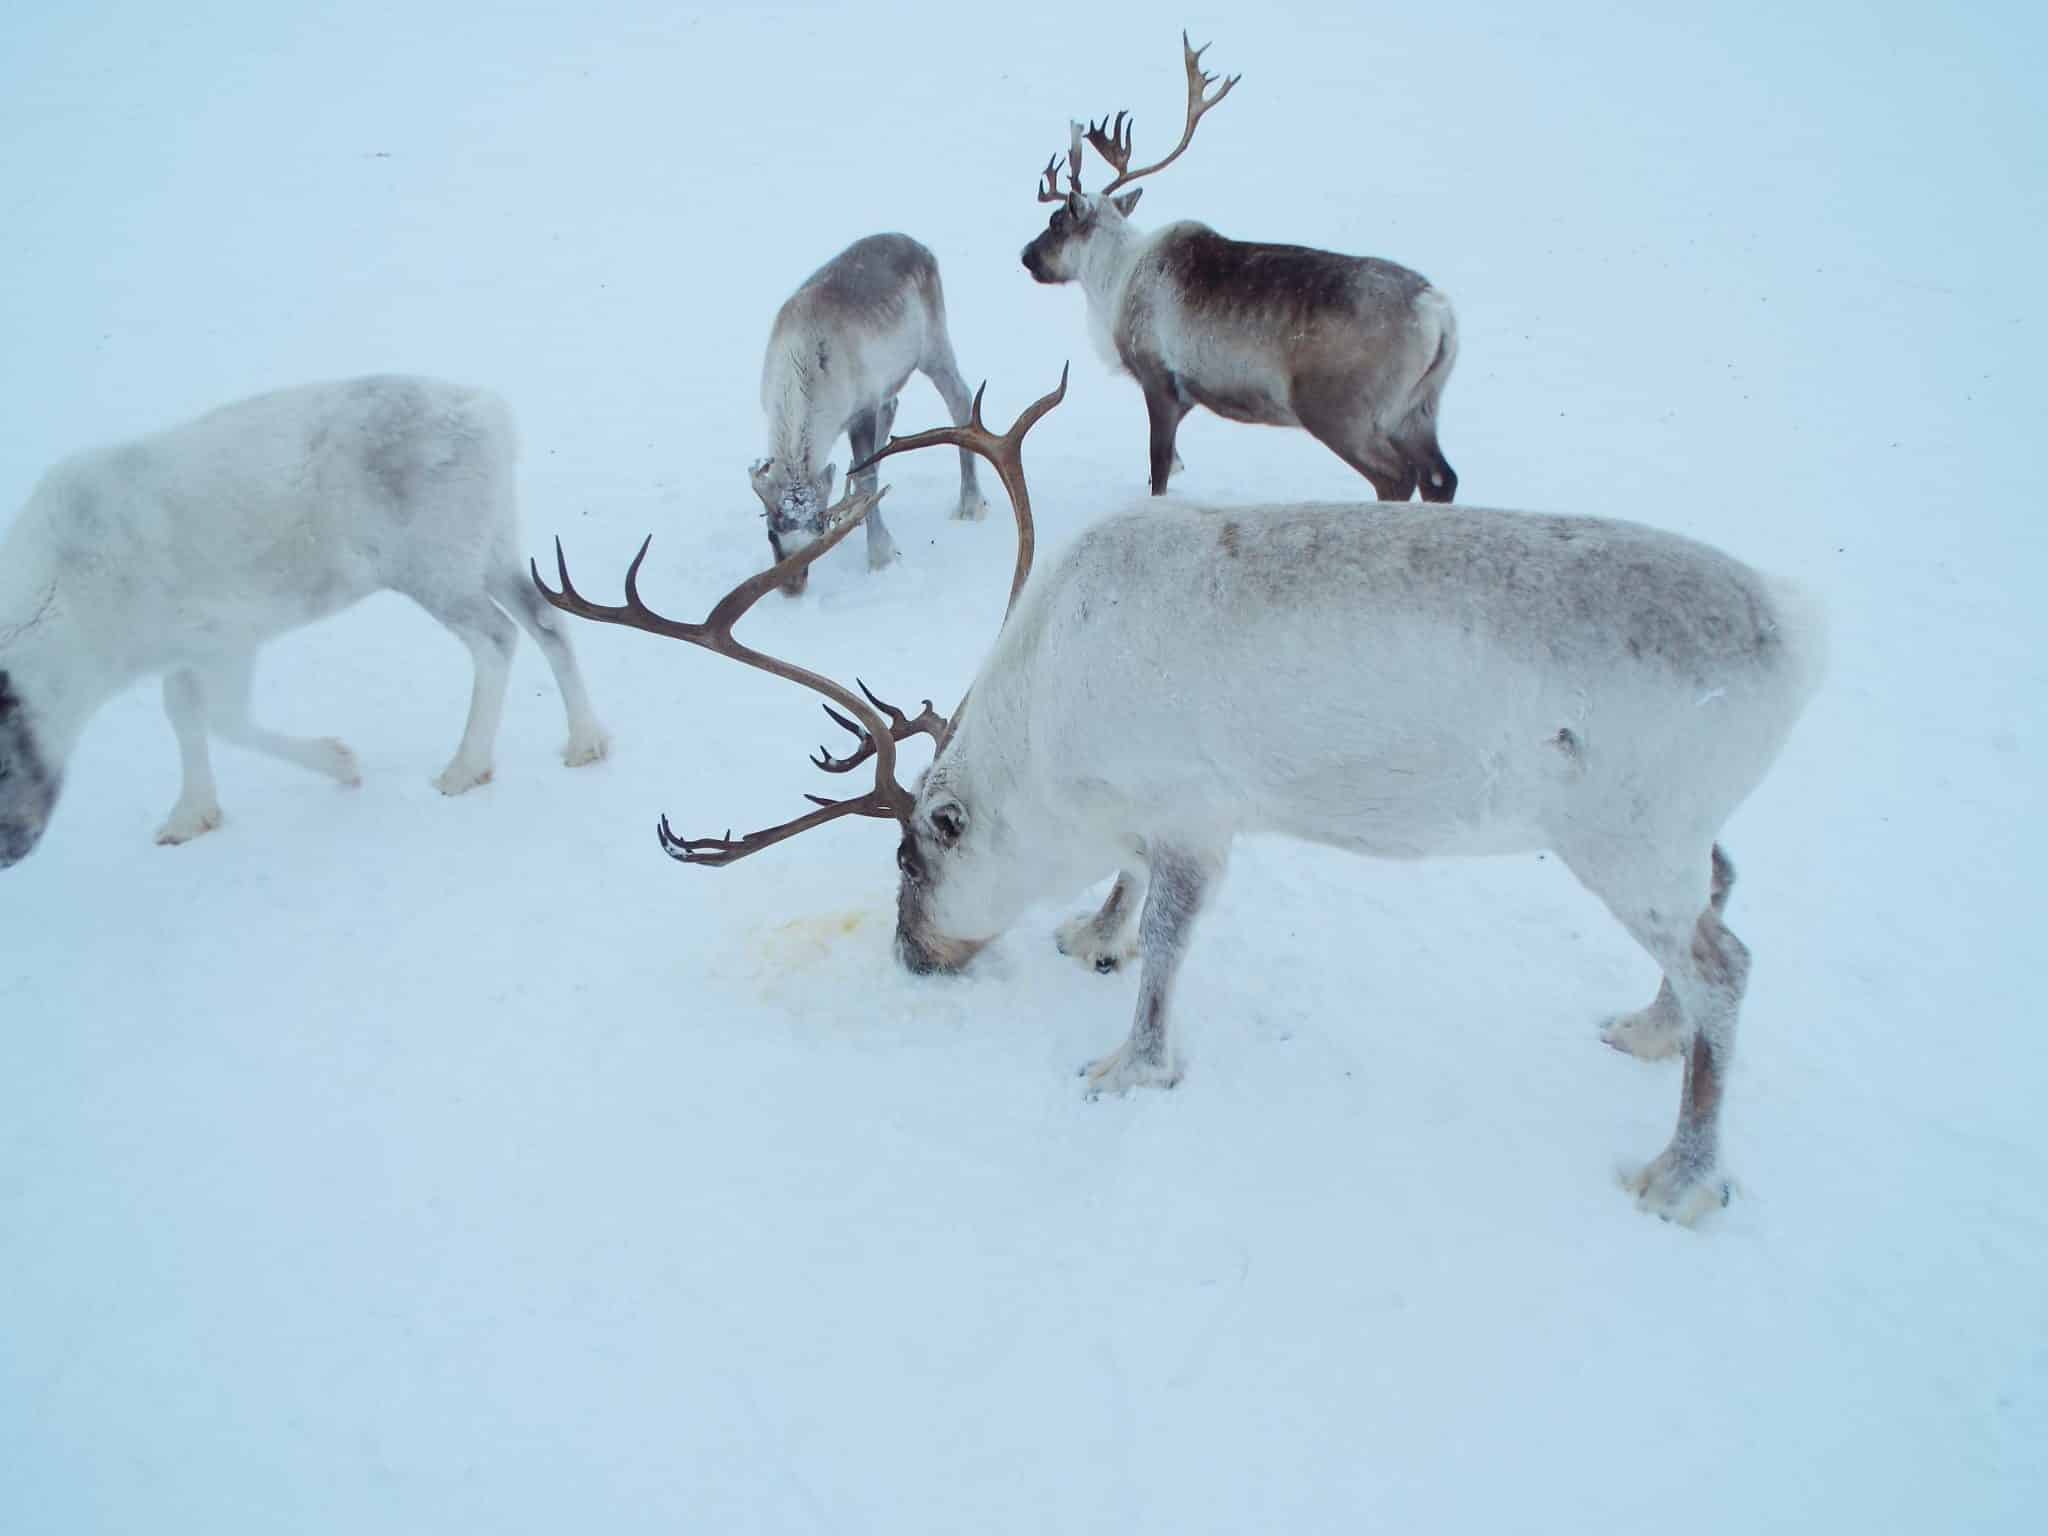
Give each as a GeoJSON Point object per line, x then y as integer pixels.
{"type": "Point", "coordinates": [1354, 350]}
{"type": "Point", "coordinates": [181, 554]}
{"type": "Point", "coordinates": [1410, 684]}
{"type": "Point", "coordinates": [841, 348]}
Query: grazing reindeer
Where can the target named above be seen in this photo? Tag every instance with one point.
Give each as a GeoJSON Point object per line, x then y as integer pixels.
{"type": "Point", "coordinates": [183, 553]}
{"type": "Point", "coordinates": [1411, 684]}
{"type": "Point", "coordinates": [842, 346]}
{"type": "Point", "coordinates": [1354, 350]}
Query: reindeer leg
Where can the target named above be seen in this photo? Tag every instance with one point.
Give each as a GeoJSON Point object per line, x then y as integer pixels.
{"type": "Point", "coordinates": [863, 437]}
{"type": "Point", "coordinates": [1330, 411]}
{"type": "Point", "coordinates": [1707, 967]}
{"type": "Point", "coordinates": [944, 373]}
{"type": "Point", "coordinates": [1657, 1032]}
{"type": "Point", "coordinates": [198, 807]}
{"type": "Point", "coordinates": [509, 587]}
{"type": "Point", "coordinates": [1167, 408]}
{"type": "Point", "coordinates": [227, 689]}
{"type": "Point", "coordinates": [482, 626]}
{"type": "Point", "coordinates": [1103, 940]}
{"type": "Point", "coordinates": [1181, 881]}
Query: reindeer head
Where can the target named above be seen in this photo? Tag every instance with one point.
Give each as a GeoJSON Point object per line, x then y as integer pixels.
{"type": "Point", "coordinates": [795, 508]}
{"type": "Point", "coordinates": [28, 785]}
{"type": "Point", "coordinates": [939, 831]}
{"type": "Point", "coordinates": [1084, 219]}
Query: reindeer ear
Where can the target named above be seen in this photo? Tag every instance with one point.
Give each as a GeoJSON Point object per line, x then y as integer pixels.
{"type": "Point", "coordinates": [760, 467]}
{"type": "Point", "coordinates": [1128, 201]}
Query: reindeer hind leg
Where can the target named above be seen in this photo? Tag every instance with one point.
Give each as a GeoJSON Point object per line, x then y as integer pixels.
{"type": "Point", "coordinates": [863, 437]}
{"type": "Point", "coordinates": [513, 590]}
{"type": "Point", "coordinates": [1670, 912]}
{"type": "Point", "coordinates": [1657, 1032]}
{"type": "Point", "coordinates": [1333, 415]}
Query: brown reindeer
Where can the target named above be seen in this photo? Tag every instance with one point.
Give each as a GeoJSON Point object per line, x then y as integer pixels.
{"type": "Point", "coordinates": [1353, 349]}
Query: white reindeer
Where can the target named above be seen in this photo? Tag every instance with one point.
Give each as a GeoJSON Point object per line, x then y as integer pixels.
{"type": "Point", "coordinates": [841, 348]}
{"type": "Point", "coordinates": [182, 553]}
{"type": "Point", "coordinates": [1354, 350]}
{"type": "Point", "coordinates": [1402, 682]}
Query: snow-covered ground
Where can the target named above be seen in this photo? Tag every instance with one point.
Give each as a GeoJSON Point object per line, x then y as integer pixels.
{"type": "Point", "coordinates": [386, 1163]}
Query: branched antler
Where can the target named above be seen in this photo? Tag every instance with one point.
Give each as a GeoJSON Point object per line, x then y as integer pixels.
{"type": "Point", "coordinates": [887, 799]}
{"type": "Point", "coordinates": [928, 722]}
{"type": "Point", "coordinates": [1112, 141]}
{"type": "Point", "coordinates": [1004, 452]}
{"type": "Point", "coordinates": [1050, 192]}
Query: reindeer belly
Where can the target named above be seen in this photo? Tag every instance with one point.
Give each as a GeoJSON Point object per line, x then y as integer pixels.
{"type": "Point", "coordinates": [1418, 802]}
{"type": "Point", "coordinates": [1247, 400]}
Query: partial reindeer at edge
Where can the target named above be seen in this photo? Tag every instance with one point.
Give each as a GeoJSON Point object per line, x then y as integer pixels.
{"type": "Point", "coordinates": [1354, 350]}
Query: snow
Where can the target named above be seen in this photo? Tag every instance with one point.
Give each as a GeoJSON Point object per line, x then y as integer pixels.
{"type": "Point", "coordinates": [381, 1162]}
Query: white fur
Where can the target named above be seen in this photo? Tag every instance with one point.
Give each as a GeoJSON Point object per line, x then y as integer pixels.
{"type": "Point", "coordinates": [1397, 681]}
{"type": "Point", "coordinates": [182, 553]}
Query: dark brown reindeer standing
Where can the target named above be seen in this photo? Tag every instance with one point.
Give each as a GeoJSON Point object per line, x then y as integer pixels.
{"type": "Point", "coordinates": [1353, 349]}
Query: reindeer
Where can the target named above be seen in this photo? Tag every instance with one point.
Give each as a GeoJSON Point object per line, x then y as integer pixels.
{"type": "Point", "coordinates": [181, 554]}
{"type": "Point", "coordinates": [1411, 684]}
{"type": "Point", "coordinates": [1354, 350]}
{"type": "Point", "coordinates": [841, 348]}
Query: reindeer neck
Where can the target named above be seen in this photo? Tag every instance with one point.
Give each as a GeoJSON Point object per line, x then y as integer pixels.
{"type": "Point", "coordinates": [803, 411]}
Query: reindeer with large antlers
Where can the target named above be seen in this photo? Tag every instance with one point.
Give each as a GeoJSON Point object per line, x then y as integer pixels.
{"type": "Point", "coordinates": [877, 739]}
{"type": "Point", "coordinates": [1455, 681]}
{"type": "Point", "coordinates": [1353, 349]}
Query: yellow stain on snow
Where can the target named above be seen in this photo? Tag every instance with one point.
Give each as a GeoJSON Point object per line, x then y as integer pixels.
{"type": "Point", "coordinates": [805, 941]}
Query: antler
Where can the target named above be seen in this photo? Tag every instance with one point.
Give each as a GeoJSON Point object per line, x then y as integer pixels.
{"type": "Point", "coordinates": [887, 799]}
{"type": "Point", "coordinates": [1113, 141]}
{"type": "Point", "coordinates": [1004, 452]}
{"type": "Point", "coordinates": [929, 722]}
{"type": "Point", "coordinates": [1050, 192]}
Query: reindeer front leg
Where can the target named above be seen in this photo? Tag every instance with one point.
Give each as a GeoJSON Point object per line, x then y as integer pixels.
{"type": "Point", "coordinates": [1181, 881]}
{"type": "Point", "coordinates": [198, 809]}
{"type": "Point", "coordinates": [1102, 940]}
{"type": "Point", "coordinates": [1167, 407]}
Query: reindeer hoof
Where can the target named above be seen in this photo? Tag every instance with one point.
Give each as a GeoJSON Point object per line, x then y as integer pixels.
{"type": "Point", "coordinates": [1648, 1034]}
{"type": "Point", "coordinates": [1678, 1189]}
{"type": "Point", "coordinates": [972, 509]}
{"type": "Point", "coordinates": [584, 750]}
{"type": "Point", "coordinates": [1078, 939]}
{"type": "Point", "coordinates": [184, 825]}
{"type": "Point", "coordinates": [341, 765]}
{"type": "Point", "coordinates": [1121, 1071]}
{"type": "Point", "coordinates": [459, 780]}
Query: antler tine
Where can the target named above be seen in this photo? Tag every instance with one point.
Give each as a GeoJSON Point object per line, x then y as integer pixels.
{"type": "Point", "coordinates": [1004, 452]}
{"type": "Point", "coordinates": [887, 799]}
{"type": "Point", "coordinates": [928, 722]}
{"type": "Point", "coordinates": [1050, 192]}
{"type": "Point", "coordinates": [1113, 142]}
{"type": "Point", "coordinates": [1199, 102]}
